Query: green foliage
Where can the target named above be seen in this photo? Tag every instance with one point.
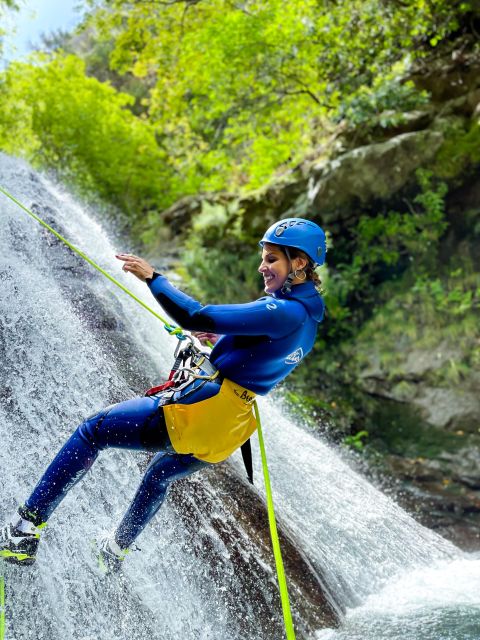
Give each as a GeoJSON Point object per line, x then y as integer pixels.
{"type": "Point", "coordinates": [430, 315]}
{"type": "Point", "coordinates": [384, 102]}
{"type": "Point", "coordinates": [356, 441]}
{"type": "Point", "coordinates": [460, 150]}
{"type": "Point", "coordinates": [60, 119]}
{"type": "Point", "coordinates": [239, 90]}
{"type": "Point", "coordinates": [225, 94]}
{"type": "Point", "coordinates": [452, 296]}
{"type": "Point", "coordinates": [384, 239]}
{"type": "Point", "coordinates": [385, 245]}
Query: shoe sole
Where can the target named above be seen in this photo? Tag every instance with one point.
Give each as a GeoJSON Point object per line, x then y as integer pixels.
{"type": "Point", "coordinates": [17, 557]}
{"type": "Point", "coordinates": [103, 565]}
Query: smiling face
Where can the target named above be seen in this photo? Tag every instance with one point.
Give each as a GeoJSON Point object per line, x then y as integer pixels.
{"type": "Point", "coordinates": [274, 267]}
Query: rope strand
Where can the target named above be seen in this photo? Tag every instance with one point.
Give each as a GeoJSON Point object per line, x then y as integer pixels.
{"type": "Point", "coordinates": [175, 330]}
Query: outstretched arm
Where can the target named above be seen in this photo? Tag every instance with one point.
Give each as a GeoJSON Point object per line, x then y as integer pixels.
{"type": "Point", "coordinates": [266, 316]}
{"type": "Point", "coordinates": [263, 317]}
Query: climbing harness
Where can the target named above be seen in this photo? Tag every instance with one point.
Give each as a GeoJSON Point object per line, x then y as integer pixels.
{"type": "Point", "coordinates": [194, 427]}
{"type": "Point", "coordinates": [175, 376]}
{"type": "Point", "coordinates": [199, 368]}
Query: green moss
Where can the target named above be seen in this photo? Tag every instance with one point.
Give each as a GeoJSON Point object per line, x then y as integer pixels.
{"type": "Point", "coordinates": [404, 390]}
{"type": "Point", "coordinates": [460, 150]}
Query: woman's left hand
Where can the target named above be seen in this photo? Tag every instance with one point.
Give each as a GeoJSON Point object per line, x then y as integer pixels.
{"type": "Point", "coordinates": [138, 266]}
{"type": "Point", "coordinates": [206, 337]}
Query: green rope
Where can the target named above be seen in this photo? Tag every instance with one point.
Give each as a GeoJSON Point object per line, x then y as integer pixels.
{"type": "Point", "coordinates": [170, 329]}
{"type": "Point", "coordinates": [287, 616]}
{"type": "Point", "coordinates": [282, 581]}
{"type": "Point", "coordinates": [2, 608]}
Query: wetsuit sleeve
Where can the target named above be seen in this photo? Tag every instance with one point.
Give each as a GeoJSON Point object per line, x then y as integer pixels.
{"type": "Point", "coordinates": [266, 316]}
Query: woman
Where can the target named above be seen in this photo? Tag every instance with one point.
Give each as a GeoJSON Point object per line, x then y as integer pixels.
{"type": "Point", "coordinates": [209, 417]}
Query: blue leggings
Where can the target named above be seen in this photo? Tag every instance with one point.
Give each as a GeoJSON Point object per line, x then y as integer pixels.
{"type": "Point", "coordinates": [135, 424]}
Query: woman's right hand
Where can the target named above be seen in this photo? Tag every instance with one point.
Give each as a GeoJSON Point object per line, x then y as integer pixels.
{"type": "Point", "coordinates": [138, 266]}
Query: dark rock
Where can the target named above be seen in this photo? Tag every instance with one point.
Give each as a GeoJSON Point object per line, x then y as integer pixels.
{"type": "Point", "coordinates": [435, 498]}
{"type": "Point", "coordinates": [448, 80]}
{"type": "Point", "coordinates": [241, 525]}
{"type": "Point", "coordinates": [376, 171]}
{"type": "Point", "coordinates": [452, 408]}
{"type": "Point", "coordinates": [407, 122]}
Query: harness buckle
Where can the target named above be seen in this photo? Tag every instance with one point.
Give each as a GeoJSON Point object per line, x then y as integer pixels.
{"type": "Point", "coordinates": [199, 368]}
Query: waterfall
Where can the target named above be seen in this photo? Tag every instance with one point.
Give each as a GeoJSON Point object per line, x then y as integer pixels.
{"type": "Point", "coordinates": [64, 355]}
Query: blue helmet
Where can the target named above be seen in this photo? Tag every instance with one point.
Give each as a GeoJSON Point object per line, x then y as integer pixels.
{"type": "Point", "coordinates": [300, 234]}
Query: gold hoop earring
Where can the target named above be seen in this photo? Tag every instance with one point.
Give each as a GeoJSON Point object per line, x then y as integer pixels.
{"type": "Point", "coordinates": [302, 272]}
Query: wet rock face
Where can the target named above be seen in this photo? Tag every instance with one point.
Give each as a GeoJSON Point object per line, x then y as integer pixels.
{"type": "Point", "coordinates": [432, 473]}
{"type": "Point", "coordinates": [450, 408]}
{"type": "Point", "coordinates": [442, 494]}
{"type": "Point", "coordinates": [239, 548]}
{"type": "Point", "coordinates": [83, 287]}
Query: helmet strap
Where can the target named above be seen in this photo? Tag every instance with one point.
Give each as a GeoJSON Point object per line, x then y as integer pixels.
{"type": "Point", "coordinates": [287, 285]}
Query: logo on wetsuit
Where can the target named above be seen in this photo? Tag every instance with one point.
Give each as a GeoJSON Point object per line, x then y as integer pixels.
{"type": "Point", "coordinates": [295, 357]}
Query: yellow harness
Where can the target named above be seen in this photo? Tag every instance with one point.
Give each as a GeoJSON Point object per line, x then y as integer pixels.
{"type": "Point", "coordinates": [210, 429]}
{"type": "Point", "coordinates": [214, 428]}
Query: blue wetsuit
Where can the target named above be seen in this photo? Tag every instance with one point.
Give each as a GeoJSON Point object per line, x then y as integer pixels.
{"type": "Point", "coordinates": [261, 343]}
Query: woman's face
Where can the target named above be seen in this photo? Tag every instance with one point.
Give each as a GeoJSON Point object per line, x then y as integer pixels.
{"type": "Point", "coordinates": [274, 267]}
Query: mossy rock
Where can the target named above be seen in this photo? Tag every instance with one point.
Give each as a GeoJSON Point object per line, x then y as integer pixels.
{"type": "Point", "coordinates": [370, 173]}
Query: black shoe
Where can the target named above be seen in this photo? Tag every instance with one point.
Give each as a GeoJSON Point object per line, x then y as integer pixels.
{"type": "Point", "coordinates": [19, 547]}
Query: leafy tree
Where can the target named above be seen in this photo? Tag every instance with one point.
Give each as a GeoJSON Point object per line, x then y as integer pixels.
{"type": "Point", "coordinates": [63, 120]}
{"type": "Point", "coordinates": [229, 92]}
{"type": "Point", "coordinates": [385, 246]}
{"type": "Point", "coordinates": [5, 4]}
{"type": "Point", "coordinates": [226, 93]}
{"type": "Point", "coordinates": [241, 89]}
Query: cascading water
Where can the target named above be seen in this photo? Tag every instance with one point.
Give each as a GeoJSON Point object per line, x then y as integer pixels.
{"type": "Point", "coordinates": [395, 579]}
{"type": "Point", "coordinates": [387, 572]}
